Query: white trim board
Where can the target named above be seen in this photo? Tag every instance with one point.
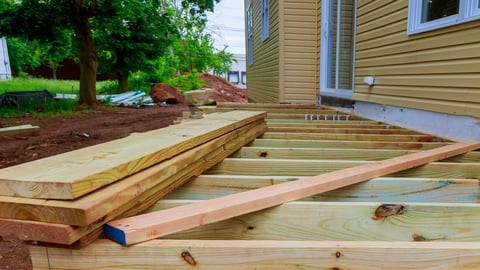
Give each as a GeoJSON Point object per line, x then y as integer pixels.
{"type": "Point", "coordinates": [455, 127]}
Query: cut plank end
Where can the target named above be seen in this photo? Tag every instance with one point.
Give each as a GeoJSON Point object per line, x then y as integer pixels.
{"type": "Point", "coordinates": [115, 234]}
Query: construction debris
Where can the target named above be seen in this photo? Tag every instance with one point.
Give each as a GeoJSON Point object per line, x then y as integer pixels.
{"type": "Point", "coordinates": [19, 131]}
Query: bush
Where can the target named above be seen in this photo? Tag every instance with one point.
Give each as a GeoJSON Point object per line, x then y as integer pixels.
{"type": "Point", "coordinates": [187, 82]}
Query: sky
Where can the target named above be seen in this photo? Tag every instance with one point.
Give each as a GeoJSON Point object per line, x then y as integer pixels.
{"type": "Point", "coordinates": [227, 27]}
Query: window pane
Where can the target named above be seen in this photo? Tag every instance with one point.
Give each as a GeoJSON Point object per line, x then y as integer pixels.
{"type": "Point", "coordinates": [437, 9]}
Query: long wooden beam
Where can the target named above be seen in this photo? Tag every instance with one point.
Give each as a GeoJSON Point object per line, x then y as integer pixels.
{"type": "Point", "coordinates": [336, 154]}
{"type": "Point", "coordinates": [296, 143]}
{"type": "Point", "coordinates": [327, 124]}
{"type": "Point", "coordinates": [337, 221]}
{"type": "Point", "coordinates": [299, 167]}
{"type": "Point", "coordinates": [343, 130]}
{"type": "Point", "coordinates": [351, 137]}
{"type": "Point", "coordinates": [387, 190]}
{"type": "Point", "coordinates": [149, 226]}
{"type": "Point", "coordinates": [76, 173]}
{"type": "Point", "coordinates": [262, 254]}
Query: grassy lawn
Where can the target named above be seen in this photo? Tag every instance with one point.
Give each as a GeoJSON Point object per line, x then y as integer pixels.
{"type": "Point", "coordinates": [52, 107]}
{"type": "Point", "coordinates": [53, 86]}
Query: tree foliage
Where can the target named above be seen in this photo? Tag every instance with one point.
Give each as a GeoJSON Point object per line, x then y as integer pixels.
{"type": "Point", "coordinates": [120, 36]}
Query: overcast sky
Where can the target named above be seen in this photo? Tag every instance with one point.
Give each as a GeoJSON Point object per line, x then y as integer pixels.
{"type": "Point", "coordinates": [227, 25]}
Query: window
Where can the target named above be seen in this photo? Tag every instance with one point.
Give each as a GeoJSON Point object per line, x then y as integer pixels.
{"type": "Point", "coordinates": [265, 19]}
{"type": "Point", "coordinates": [426, 15]}
{"type": "Point", "coordinates": [249, 35]}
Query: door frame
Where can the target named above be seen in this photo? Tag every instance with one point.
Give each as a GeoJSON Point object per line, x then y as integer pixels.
{"type": "Point", "coordinates": [324, 51]}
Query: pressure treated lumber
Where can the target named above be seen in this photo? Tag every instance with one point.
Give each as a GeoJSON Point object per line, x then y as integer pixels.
{"type": "Point", "coordinates": [145, 196]}
{"type": "Point", "coordinates": [380, 190]}
{"type": "Point", "coordinates": [145, 227]}
{"type": "Point", "coordinates": [16, 131]}
{"type": "Point", "coordinates": [286, 142]}
{"type": "Point", "coordinates": [300, 167]}
{"type": "Point", "coordinates": [279, 255]}
{"type": "Point", "coordinates": [336, 154]}
{"type": "Point", "coordinates": [337, 221]}
{"type": "Point", "coordinates": [351, 137]}
{"type": "Point", "coordinates": [342, 130]}
{"type": "Point", "coordinates": [76, 173]}
{"type": "Point", "coordinates": [101, 203]}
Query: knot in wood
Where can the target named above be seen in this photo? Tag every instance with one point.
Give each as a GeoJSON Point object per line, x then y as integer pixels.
{"type": "Point", "coordinates": [188, 258]}
{"type": "Point", "coordinates": [386, 210]}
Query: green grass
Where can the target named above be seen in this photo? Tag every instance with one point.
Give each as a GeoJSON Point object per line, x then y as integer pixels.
{"type": "Point", "coordinates": [51, 108]}
{"type": "Point", "coordinates": [53, 86]}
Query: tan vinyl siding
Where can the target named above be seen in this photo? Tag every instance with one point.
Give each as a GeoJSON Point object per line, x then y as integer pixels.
{"type": "Point", "coordinates": [435, 71]}
{"type": "Point", "coordinates": [299, 51]}
{"type": "Point", "coordinates": [263, 74]}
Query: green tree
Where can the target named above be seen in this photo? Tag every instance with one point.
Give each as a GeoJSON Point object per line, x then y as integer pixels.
{"type": "Point", "coordinates": [59, 49]}
{"type": "Point", "coordinates": [42, 19]}
{"type": "Point", "coordinates": [22, 56]}
{"type": "Point", "coordinates": [130, 37]}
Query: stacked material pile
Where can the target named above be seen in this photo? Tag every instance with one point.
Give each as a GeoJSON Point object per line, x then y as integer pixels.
{"type": "Point", "coordinates": [66, 199]}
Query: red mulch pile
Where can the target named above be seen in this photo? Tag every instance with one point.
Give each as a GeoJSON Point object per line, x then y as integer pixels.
{"type": "Point", "coordinates": [85, 128]}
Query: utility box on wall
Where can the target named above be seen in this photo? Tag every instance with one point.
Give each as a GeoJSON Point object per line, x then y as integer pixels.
{"type": "Point", "coordinates": [5, 71]}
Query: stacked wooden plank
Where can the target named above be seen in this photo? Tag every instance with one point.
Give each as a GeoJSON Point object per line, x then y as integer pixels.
{"type": "Point", "coordinates": [66, 199]}
{"type": "Point", "coordinates": [424, 217]}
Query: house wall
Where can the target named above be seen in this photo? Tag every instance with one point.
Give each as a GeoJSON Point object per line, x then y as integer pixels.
{"type": "Point", "coordinates": [437, 71]}
{"type": "Point", "coordinates": [263, 74]}
{"type": "Point", "coordinates": [299, 43]}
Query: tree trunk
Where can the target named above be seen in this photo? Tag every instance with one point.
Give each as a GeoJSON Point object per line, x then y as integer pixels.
{"type": "Point", "coordinates": [54, 73]}
{"type": "Point", "coordinates": [123, 81]}
{"type": "Point", "coordinates": [87, 53]}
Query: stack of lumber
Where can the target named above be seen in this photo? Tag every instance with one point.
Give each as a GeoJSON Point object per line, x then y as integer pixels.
{"type": "Point", "coordinates": [66, 199]}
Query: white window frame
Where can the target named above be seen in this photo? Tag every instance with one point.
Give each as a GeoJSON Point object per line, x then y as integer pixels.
{"type": "Point", "coordinates": [469, 10]}
{"type": "Point", "coordinates": [249, 32]}
{"type": "Point", "coordinates": [265, 19]}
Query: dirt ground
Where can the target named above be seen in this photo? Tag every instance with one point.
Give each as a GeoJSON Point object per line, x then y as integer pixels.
{"type": "Point", "coordinates": [85, 128]}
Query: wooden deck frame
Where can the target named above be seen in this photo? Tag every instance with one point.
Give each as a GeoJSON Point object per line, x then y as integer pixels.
{"type": "Point", "coordinates": [289, 254]}
{"type": "Point", "coordinates": [145, 227]}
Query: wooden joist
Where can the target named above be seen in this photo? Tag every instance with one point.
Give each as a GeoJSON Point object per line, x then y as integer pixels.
{"type": "Point", "coordinates": [343, 130]}
{"type": "Point", "coordinates": [262, 254]}
{"type": "Point", "coordinates": [351, 137]}
{"type": "Point", "coordinates": [352, 145]}
{"type": "Point", "coordinates": [76, 173]}
{"type": "Point", "coordinates": [301, 167]}
{"type": "Point", "coordinates": [342, 221]}
{"type": "Point", "coordinates": [336, 154]}
{"type": "Point", "coordinates": [149, 226]}
{"type": "Point", "coordinates": [380, 190]}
